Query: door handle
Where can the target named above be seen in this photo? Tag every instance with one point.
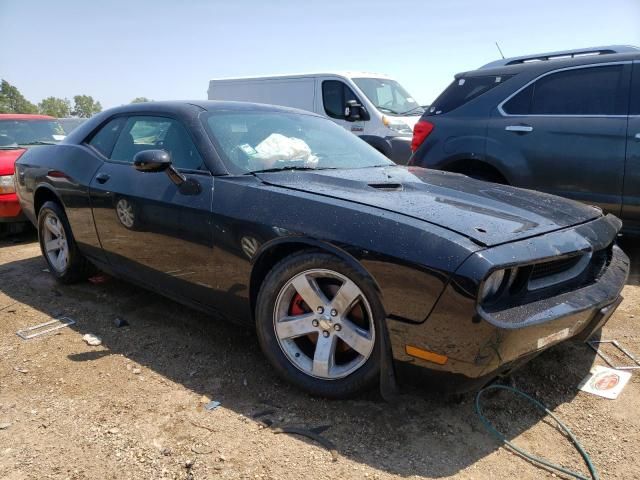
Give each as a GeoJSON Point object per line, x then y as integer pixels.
{"type": "Point", "coordinates": [519, 128]}
{"type": "Point", "coordinates": [102, 178]}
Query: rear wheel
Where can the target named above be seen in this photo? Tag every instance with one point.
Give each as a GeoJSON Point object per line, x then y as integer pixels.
{"type": "Point", "coordinates": [318, 322]}
{"type": "Point", "coordinates": [58, 246]}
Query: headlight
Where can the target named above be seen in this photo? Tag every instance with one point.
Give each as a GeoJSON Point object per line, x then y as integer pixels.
{"type": "Point", "coordinates": [396, 125]}
{"type": "Point", "coordinates": [496, 282]}
{"type": "Point", "coordinates": [6, 184]}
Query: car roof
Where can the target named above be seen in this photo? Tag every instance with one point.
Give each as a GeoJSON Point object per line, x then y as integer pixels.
{"type": "Point", "coordinates": [515, 65]}
{"type": "Point", "coordinates": [24, 116]}
{"type": "Point", "coordinates": [189, 106]}
{"type": "Point", "coordinates": [339, 73]}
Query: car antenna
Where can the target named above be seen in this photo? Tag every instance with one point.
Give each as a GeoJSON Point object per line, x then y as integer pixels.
{"type": "Point", "coordinates": [500, 50]}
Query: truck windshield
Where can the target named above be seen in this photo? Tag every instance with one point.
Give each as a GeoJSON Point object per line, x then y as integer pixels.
{"type": "Point", "coordinates": [257, 141]}
{"type": "Point", "coordinates": [30, 132]}
{"type": "Point", "coordinates": [388, 96]}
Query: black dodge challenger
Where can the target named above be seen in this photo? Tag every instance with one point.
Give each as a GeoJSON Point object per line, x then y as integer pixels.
{"type": "Point", "coordinates": [351, 269]}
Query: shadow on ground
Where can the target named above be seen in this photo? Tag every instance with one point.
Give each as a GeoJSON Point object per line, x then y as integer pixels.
{"type": "Point", "coordinates": [423, 434]}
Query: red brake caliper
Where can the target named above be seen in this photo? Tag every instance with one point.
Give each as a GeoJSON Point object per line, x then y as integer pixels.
{"type": "Point", "coordinates": [297, 305]}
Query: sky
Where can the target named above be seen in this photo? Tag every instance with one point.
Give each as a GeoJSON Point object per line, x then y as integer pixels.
{"type": "Point", "coordinates": [169, 49]}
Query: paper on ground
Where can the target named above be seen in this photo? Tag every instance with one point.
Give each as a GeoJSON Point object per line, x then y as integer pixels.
{"type": "Point", "coordinates": [605, 382]}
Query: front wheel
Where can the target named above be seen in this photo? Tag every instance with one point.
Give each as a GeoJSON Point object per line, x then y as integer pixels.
{"type": "Point", "coordinates": [58, 246]}
{"type": "Point", "coordinates": [319, 322]}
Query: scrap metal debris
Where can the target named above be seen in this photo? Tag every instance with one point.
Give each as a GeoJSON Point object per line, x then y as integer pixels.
{"type": "Point", "coordinates": [313, 436]}
{"type": "Point", "coordinates": [7, 306]}
{"type": "Point", "coordinates": [595, 345]}
{"type": "Point", "coordinates": [311, 433]}
{"type": "Point", "coordinates": [120, 322]}
{"type": "Point", "coordinates": [92, 339]}
{"type": "Point", "coordinates": [605, 382]}
{"type": "Point", "coordinates": [46, 327]}
{"type": "Point", "coordinates": [212, 405]}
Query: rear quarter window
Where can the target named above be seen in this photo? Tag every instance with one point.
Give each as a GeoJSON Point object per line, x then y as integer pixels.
{"type": "Point", "coordinates": [463, 90]}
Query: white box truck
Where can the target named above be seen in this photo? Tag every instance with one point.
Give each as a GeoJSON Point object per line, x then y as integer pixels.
{"type": "Point", "coordinates": [373, 106]}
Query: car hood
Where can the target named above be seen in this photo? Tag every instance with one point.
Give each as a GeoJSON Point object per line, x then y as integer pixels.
{"type": "Point", "coordinates": [487, 213]}
{"type": "Point", "coordinates": [8, 159]}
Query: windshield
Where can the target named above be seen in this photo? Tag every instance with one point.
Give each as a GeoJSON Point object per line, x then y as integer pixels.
{"type": "Point", "coordinates": [259, 141]}
{"type": "Point", "coordinates": [30, 132]}
{"type": "Point", "coordinates": [388, 96]}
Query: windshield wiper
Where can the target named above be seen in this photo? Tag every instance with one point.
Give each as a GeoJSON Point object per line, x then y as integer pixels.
{"type": "Point", "coordinates": [413, 110]}
{"type": "Point", "coordinates": [281, 169]}
{"type": "Point", "coordinates": [38, 142]}
{"type": "Point", "coordinates": [388, 110]}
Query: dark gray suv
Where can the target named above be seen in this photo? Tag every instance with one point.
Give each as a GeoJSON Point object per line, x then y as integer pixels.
{"type": "Point", "coordinates": [566, 123]}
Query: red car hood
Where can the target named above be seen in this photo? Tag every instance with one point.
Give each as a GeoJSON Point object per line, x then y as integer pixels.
{"type": "Point", "coordinates": [8, 159]}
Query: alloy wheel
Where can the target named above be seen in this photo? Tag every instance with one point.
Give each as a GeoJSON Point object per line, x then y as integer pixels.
{"type": "Point", "coordinates": [324, 324]}
{"type": "Point", "coordinates": [55, 242]}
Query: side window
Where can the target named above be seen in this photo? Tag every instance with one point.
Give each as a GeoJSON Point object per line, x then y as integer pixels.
{"type": "Point", "coordinates": [583, 91]}
{"type": "Point", "coordinates": [106, 137]}
{"type": "Point", "coordinates": [634, 107]}
{"type": "Point", "coordinates": [148, 133]}
{"type": "Point", "coordinates": [335, 95]}
{"type": "Point", "coordinates": [521, 103]}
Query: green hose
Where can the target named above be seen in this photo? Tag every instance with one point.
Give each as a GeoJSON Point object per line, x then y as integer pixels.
{"type": "Point", "coordinates": [489, 426]}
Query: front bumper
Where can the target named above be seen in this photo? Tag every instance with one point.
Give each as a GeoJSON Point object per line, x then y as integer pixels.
{"type": "Point", "coordinates": [10, 211]}
{"type": "Point", "coordinates": [480, 345]}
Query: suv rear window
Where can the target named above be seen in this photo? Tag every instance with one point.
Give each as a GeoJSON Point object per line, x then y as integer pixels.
{"type": "Point", "coordinates": [463, 90]}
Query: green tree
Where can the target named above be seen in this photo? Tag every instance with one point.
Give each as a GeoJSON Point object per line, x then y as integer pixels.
{"type": "Point", "coordinates": [141, 100]}
{"type": "Point", "coordinates": [56, 107]}
{"type": "Point", "coordinates": [85, 106]}
{"type": "Point", "coordinates": [12, 101]}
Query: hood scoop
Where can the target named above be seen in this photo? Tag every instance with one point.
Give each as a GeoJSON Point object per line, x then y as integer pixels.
{"type": "Point", "coordinates": [387, 187]}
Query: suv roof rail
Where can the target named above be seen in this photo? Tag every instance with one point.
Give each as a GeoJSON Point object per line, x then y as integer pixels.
{"type": "Point", "coordinates": [563, 55]}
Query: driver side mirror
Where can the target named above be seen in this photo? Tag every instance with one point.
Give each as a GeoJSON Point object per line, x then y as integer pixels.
{"type": "Point", "coordinates": [353, 111]}
{"type": "Point", "coordinates": [152, 161]}
{"type": "Point", "coordinates": [160, 161]}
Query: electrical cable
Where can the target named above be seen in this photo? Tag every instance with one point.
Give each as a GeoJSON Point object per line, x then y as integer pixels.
{"type": "Point", "coordinates": [489, 426]}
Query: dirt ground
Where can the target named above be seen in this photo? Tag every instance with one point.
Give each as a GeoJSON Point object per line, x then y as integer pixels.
{"type": "Point", "coordinates": [133, 407]}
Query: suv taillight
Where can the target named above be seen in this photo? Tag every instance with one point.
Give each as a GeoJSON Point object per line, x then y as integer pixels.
{"type": "Point", "coordinates": [421, 131]}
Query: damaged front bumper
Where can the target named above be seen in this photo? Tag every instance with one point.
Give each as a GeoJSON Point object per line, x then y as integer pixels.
{"type": "Point", "coordinates": [472, 345]}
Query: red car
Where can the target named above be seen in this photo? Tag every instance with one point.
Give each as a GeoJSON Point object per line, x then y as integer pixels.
{"type": "Point", "coordinates": [17, 133]}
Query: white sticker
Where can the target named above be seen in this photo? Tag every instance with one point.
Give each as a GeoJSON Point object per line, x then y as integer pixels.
{"type": "Point", "coordinates": [553, 338]}
{"type": "Point", "coordinates": [59, 138]}
{"type": "Point", "coordinates": [461, 82]}
{"type": "Point", "coordinates": [605, 382]}
{"type": "Point", "coordinates": [248, 149]}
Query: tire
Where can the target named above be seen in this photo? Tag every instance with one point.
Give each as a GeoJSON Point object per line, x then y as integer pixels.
{"type": "Point", "coordinates": [349, 370]}
{"type": "Point", "coordinates": [71, 266]}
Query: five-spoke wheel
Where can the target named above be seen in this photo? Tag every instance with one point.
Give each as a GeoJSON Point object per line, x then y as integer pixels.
{"type": "Point", "coordinates": [58, 245]}
{"type": "Point", "coordinates": [323, 323]}
{"type": "Point", "coordinates": [317, 321]}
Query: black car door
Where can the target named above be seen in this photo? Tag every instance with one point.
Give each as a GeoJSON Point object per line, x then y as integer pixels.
{"type": "Point", "coordinates": [631, 205]}
{"type": "Point", "coordinates": [151, 229]}
{"type": "Point", "coordinates": [565, 134]}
